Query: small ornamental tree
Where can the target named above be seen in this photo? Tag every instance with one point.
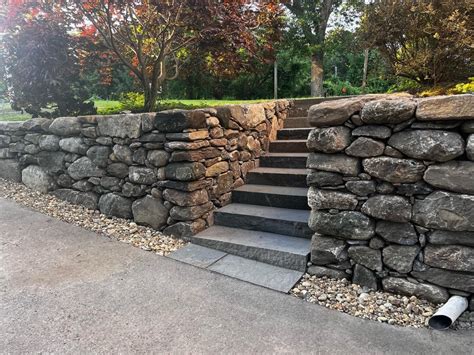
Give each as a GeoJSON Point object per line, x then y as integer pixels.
{"type": "Point", "coordinates": [41, 63]}
{"type": "Point", "coordinates": [429, 41]}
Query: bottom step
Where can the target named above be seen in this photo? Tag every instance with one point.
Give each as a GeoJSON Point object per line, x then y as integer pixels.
{"type": "Point", "coordinates": [269, 276]}
{"type": "Point", "coordinates": [275, 249]}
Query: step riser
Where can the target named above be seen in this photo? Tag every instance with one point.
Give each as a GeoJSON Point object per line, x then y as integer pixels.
{"type": "Point", "coordinates": [272, 257]}
{"type": "Point", "coordinates": [293, 134]}
{"type": "Point", "coordinates": [283, 162]}
{"type": "Point", "coordinates": [276, 179]}
{"type": "Point", "coordinates": [291, 228]}
{"type": "Point", "coordinates": [288, 147]}
{"type": "Point", "coordinates": [271, 200]}
{"type": "Point", "coordinates": [296, 123]}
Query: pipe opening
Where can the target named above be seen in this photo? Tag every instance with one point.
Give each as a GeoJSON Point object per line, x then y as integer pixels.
{"type": "Point", "coordinates": [440, 322]}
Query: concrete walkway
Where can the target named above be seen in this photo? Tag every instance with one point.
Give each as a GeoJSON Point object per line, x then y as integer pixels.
{"type": "Point", "coordinates": [66, 290]}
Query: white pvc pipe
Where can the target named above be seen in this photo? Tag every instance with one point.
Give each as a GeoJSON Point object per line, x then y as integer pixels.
{"type": "Point", "coordinates": [448, 314]}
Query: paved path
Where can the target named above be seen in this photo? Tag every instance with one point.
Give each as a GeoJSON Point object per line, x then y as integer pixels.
{"type": "Point", "coordinates": [66, 290]}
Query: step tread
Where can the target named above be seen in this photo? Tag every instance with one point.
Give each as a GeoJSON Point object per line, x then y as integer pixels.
{"type": "Point", "coordinates": [286, 155]}
{"type": "Point", "coordinates": [284, 214]}
{"type": "Point", "coordinates": [274, 190]}
{"type": "Point", "coordinates": [283, 171]}
{"type": "Point", "coordinates": [258, 273]}
{"type": "Point", "coordinates": [256, 239]}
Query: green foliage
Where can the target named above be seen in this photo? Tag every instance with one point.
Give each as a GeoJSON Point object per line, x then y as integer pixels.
{"type": "Point", "coordinates": [335, 87]}
{"type": "Point", "coordinates": [132, 101]}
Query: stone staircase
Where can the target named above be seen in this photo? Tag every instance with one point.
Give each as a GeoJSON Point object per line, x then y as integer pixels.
{"type": "Point", "coordinates": [267, 221]}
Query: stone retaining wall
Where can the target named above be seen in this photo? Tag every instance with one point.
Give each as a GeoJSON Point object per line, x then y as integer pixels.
{"type": "Point", "coordinates": [392, 193]}
{"type": "Point", "coordinates": [168, 170]}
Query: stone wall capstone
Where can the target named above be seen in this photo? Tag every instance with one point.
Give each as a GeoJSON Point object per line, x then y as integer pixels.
{"type": "Point", "coordinates": [392, 193]}
{"type": "Point", "coordinates": [168, 170]}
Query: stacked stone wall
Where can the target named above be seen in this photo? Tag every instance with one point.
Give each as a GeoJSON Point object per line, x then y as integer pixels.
{"type": "Point", "coordinates": [168, 170]}
{"type": "Point", "coordinates": [392, 193]}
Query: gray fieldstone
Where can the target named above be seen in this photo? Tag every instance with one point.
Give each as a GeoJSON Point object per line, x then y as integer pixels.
{"type": "Point", "coordinates": [53, 162]}
{"type": "Point", "coordinates": [329, 140]}
{"type": "Point", "coordinates": [185, 229]}
{"type": "Point", "coordinates": [418, 188]}
{"type": "Point", "coordinates": [333, 113]}
{"type": "Point", "coordinates": [365, 147]}
{"type": "Point", "coordinates": [389, 208]}
{"type": "Point", "coordinates": [110, 183]}
{"type": "Point", "coordinates": [49, 143]}
{"type": "Point", "coordinates": [376, 243]}
{"type": "Point", "coordinates": [436, 125]}
{"type": "Point", "coordinates": [393, 110]}
{"type": "Point", "coordinates": [179, 120]}
{"type": "Point", "coordinates": [392, 152]}
{"type": "Point", "coordinates": [122, 126]}
{"type": "Point", "coordinates": [119, 170]}
{"type": "Point", "coordinates": [346, 224]}
{"type": "Point", "coordinates": [368, 257]}
{"type": "Point", "coordinates": [450, 237]}
{"type": "Point", "coordinates": [114, 205]}
{"type": "Point", "coordinates": [447, 211]}
{"type": "Point", "coordinates": [428, 292]}
{"type": "Point", "coordinates": [185, 171]}
{"type": "Point", "coordinates": [433, 145]}
{"type": "Point", "coordinates": [372, 131]}
{"type": "Point", "coordinates": [73, 145]}
{"type": "Point", "coordinates": [400, 257]}
{"type": "Point", "coordinates": [36, 178]}
{"type": "Point", "coordinates": [451, 279]}
{"type": "Point", "coordinates": [451, 257]}
{"type": "Point", "coordinates": [191, 213]}
{"type": "Point", "coordinates": [394, 170]}
{"type": "Point", "coordinates": [132, 190]}
{"type": "Point", "coordinates": [440, 108]}
{"type": "Point", "coordinates": [323, 178]}
{"type": "Point", "coordinates": [182, 198]}
{"type": "Point", "coordinates": [321, 271]}
{"type": "Point", "coordinates": [65, 126]}
{"type": "Point", "coordinates": [139, 156]}
{"type": "Point", "coordinates": [123, 154]}
{"type": "Point", "coordinates": [150, 211]}
{"type": "Point", "coordinates": [457, 176]}
{"type": "Point", "coordinates": [86, 199]}
{"type": "Point", "coordinates": [324, 199]}
{"type": "Point", "coordinates": [5, 140]}
{"type": "Point", "coordinates": [361, 188]}
{"type": "Point", "coordinates": [141, 175]}
{"type": "Point", "coordinates": [337, 163]}
{"type": "Point", "coordinates": [327, 250]}
{"type": "Point", "coordinates": [83, 185]}
{"type": "Point", "coordinates": [470, 147]}
{"type": "Point", "coordinates": [84, 168]}
{"type": "Point", "coordinates": [99, 155]}
{"type": "Point", "coordinates": [399, 233]}
{"type": "Point", "coordinates": [364, 277]}
{"type": "Point", "coordinates": [158, 158]}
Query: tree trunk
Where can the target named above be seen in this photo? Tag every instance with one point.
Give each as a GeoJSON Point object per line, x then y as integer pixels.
{"type": "Point", "coordinates": [364, 74]}
{"type": "Point", "coordinates": [317, 74]}
{"type": "Point", "coordinates": [150, 100]}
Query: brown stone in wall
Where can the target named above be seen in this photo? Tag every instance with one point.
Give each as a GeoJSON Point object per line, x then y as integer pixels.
{"type": "Point", "coordinates": [456, 107]}
{"type": "Point", "coordinates": [184, 199]}
{"type": "Point", "coordinates": [217, 169]}
{"type": "Point", "coordinates": [195, 155]}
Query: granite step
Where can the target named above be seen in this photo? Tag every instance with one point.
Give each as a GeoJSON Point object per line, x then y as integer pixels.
{"type": "Point", "coordinates": [296, 122]}
{"type": "Point", "coordinates": [293, 133]}
{"type": "Point", "coordinates": [291, 222]}
{"type": "Point", "coordinates": [289, 146]}
{"type": "Point", "coordinates": [270, 248]}
{"type": "Point", "coordinates": [258, 273]}
{"type": "Point", "coordinates": [277, 177]}
{"type": "Point", "coordinates": [272, 196]}
{"type": "Point", "coordinates": [284, 160]}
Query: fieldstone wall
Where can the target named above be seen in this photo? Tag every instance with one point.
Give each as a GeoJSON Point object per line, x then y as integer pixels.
{"type": "Point", "coordinates": [168, 170]}
{"type": "Point", "coordinates": [392, 193]}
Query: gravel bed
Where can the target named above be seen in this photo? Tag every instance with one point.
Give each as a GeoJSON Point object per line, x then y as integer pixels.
{"type": "Point", "coordinates": [379, 306]}
{"type": "Point", "coordinates": [117, 228]}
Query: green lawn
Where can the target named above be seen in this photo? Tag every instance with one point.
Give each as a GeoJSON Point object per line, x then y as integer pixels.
{"type": "Point", "coordinates": [109, 106]}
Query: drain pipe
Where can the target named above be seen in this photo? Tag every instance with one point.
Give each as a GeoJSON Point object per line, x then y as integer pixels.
{"type": "Point", "coordinates": [448, 314]}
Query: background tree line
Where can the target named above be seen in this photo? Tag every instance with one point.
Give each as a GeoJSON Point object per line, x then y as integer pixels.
{"type": "Point", "coordinates": [58, 55]}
